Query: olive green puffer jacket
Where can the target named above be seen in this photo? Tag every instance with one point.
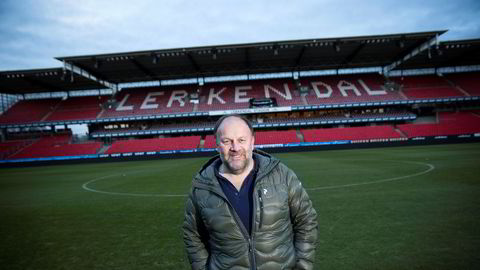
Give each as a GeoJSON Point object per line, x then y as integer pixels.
{"type": "Point", "coordinates": [284, 229]}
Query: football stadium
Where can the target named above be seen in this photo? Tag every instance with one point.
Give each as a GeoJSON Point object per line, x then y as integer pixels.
{"type": "Point", "coordinates": [97, 155]}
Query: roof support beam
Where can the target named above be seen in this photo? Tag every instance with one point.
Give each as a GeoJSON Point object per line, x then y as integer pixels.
{"type": "Point", "coordinates": [193, 62]}
{"type": "Point", "coordinates": [300, 55]}
{"type": "Point", "coordinates": [424, 46]}
{"type": "Point", "coordinates": [145, 70]}
{"type": "Point", "coordinates": [86, 73]}
{"type": "Point", "coordinates": [355, 52]}
{"type": "Point", "coordinates": [247, 58]}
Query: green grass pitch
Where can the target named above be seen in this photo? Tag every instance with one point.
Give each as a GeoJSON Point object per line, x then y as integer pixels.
{"type": "Point", "coordinates": [415, 207]}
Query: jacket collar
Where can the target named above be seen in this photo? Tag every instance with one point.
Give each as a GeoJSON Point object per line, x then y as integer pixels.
{"type": "Point", "coordinates": [206, 176]}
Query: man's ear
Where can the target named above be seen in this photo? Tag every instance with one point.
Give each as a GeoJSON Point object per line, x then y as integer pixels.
{"type": "Point", "coordinates": [216, 144]}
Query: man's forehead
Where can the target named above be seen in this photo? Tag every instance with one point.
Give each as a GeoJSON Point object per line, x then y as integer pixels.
{"type": "Point", "coordinates": [234, 125]}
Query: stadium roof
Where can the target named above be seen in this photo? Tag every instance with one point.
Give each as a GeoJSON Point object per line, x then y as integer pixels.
{"type": "Point", "coordinates": [44, 80]}
{"type": "Point", "coordinates": [264, 57]}
{"type": "Point", "coordinates": [396, 51]}
{"type": "Point", "coordinates": [446, 54]}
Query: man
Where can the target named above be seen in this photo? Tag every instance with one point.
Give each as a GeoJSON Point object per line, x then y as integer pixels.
{"type": "Point", "coordinates": [246, 210]}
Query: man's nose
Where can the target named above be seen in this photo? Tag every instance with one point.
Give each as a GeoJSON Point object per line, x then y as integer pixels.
{"type": "Point", "coordinates": [234, 146]}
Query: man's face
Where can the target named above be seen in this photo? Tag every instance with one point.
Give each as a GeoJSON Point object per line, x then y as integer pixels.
{"type": "Point", "coordinates": [235, 144]}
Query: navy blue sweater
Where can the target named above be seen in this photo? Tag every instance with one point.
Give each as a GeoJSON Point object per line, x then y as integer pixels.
{"type": "Point", "coordinates": [241, 200]}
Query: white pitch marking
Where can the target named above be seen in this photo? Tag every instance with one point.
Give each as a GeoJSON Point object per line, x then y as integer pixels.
{"type": "Point", "coordinates": [430, 168]}
{"type": "Point", "coordinates": [85, 186]}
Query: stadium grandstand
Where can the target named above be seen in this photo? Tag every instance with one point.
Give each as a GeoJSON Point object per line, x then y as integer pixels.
{"type": "Point", "coordinates": [406, 88]}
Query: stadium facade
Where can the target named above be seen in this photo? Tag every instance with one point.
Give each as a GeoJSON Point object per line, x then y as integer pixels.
{"type": "Point", "coordinates": [397, 89]}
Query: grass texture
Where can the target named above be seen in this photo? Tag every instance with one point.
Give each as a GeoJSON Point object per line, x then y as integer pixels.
{"type": "Point", "coordinates": [414, 207]}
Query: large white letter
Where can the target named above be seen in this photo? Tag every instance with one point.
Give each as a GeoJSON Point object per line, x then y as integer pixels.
{"type": "Point", "coordinates": [287, 95]}
{"type": "Point", "coordinates": [150, 98]}
{"type": "Point", "coordinates": [344, 86]}
{"type": "Point", "coordinates": [317, 91]}
{"type": "Point", "coordinates": [121, 106]}
{"type": "Point", "coordinates": [371, 92]}
{"type": "Point", "coordinates": [178, 95]}
{"type": "Point", "coordinates": [212, 95]}
{"type": "Point", "coordinates": [239, 95]}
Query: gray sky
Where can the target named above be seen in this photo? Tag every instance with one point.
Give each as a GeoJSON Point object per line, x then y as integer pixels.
{"type": "Point", "coordinates": [33, 32]}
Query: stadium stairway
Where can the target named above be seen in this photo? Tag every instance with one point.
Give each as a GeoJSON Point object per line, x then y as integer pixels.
{"type": "Point", "coordinates": [50, 112]}
{"type": "Point", "coordinates": [300, 135]}
{"type": "Point", "coordinates": [399, 131]}
{"type": "Point", "coordinates": [103, 149]}
{"type": "Point", "coordinates": [304, 100]}
{"type": "Point", "coordinates": [400, 92]}
{"type": "Point", "coordinates": [202, 141]}
{"type": "Point", "coordinates": [426, 120]}
{"type": "Point", "coordinates": [100, 113]}
{"type": "Point", "coordinates": [11, 154]}
{"type": "Point", "coordinates": [452, 84]}
{"type": "Point", "coordinates": [458, 87]}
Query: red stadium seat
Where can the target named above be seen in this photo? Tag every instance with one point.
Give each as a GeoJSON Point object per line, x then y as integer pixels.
{"type": "Point", "coordinates": [350, 133]}
{"type": "Point", "coordinates": [8, 148]}
{"type": "Point", "coordinates": [29, 111]}
{"type": "Point", "coordinates": [58, 145]}
{"type": "Point", "coordinates": [469, 82]}
{"type": "Point", "coordinates": [157, 144]}
{"type": "Point", "coordinates": [276, 137]}
{"type": "Point", "coordinates": [210, 142]}
{"type": "Point", "coordinates": [78, 108]}
{"type": "Point", "coordinates": [450, 124]}
{"type": "Point", "coordinates": [348, 89]}
{"type": "Point", "coordinates": [338, 89]}
{"type": "Point", "coordinates": [427, 86]}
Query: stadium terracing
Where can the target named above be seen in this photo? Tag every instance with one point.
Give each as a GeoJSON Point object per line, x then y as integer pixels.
{"type": "Point", "coordinates": [390, 89]}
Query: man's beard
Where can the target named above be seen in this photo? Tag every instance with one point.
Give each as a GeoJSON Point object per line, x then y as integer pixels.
{"type": "Point", "coordinates": [236, 166]}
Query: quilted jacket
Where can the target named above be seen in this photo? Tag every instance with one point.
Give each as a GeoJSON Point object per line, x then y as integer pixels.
{"type": "Point", "coordinates": [284, 223]}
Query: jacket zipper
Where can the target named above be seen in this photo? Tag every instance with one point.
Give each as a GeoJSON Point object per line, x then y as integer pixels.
{"type": "Point", "coordinates": [260, 200]}
{"type": "Point", "coordinates": [251, 240]}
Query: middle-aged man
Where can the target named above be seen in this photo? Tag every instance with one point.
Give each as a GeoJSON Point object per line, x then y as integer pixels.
{"type": "Point", "coordinates": [246, 209]}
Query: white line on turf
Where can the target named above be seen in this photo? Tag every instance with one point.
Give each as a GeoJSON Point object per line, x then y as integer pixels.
{"type": "Point", "coordinates": [429, 169]}
{"type": "Point", "coordinates": [85, 186]}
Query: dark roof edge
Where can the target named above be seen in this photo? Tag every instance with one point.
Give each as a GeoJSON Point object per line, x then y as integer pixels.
{"type": "Point", "coordinates": [256, 44]}
{"type": "Point", "coordinates": [461, 41]}
{"type": "Point", "coordinates": [31, 71]}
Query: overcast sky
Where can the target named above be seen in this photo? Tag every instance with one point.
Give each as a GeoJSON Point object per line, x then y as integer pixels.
{"type": "Point", "coordinates": [33, 32]}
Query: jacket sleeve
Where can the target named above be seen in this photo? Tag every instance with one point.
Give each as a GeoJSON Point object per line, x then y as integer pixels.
{"type": "Point", "coordinates": [304, 221]}
{"type": "Point", "coordinates": [195, 236]}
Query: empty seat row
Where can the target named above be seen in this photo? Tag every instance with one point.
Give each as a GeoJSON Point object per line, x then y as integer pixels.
{"type": "Point", "coordinates": [236, 95]}
{"type": "Point", "coordinates": [350, 133]}
{"type": "Point", "coordinates": [155, 144]}
{"type": "Point", "coordinates": [56, 146]}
